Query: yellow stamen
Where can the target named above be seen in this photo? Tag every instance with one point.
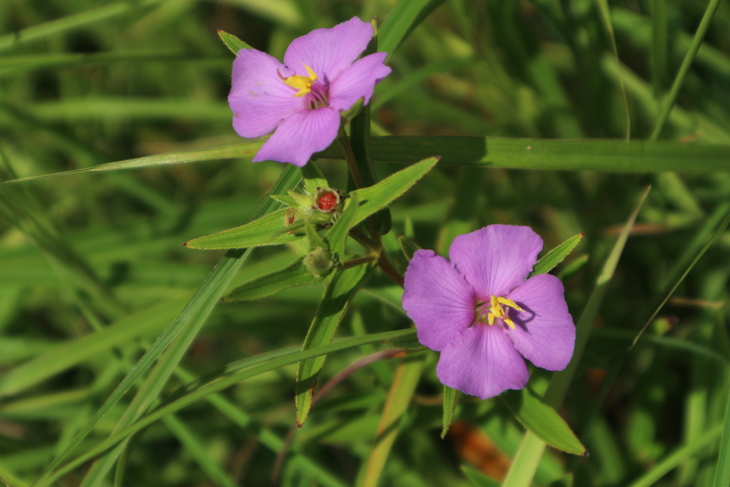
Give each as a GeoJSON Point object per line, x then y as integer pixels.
{"type": "Point", "coordinates": [496, 310]}
{"type": "Point", "coordinates": [302, 83]}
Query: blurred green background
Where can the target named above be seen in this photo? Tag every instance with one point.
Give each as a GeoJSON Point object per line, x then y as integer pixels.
{"type": "Point", "coordinates": [87, 82]}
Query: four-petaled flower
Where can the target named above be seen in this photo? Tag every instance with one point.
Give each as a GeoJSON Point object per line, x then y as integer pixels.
{"type": "Point", "coordinates": [302, 98]}
{"type": "Point", "coordinates": [483, 316]}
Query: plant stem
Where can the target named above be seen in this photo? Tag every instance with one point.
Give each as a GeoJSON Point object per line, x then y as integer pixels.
{"type": "Point", "coordinates": [350, 158]}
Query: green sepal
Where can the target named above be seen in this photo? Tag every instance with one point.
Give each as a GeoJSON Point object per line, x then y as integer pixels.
{"type": "Point", "coordinates": [233, 43]}
{"type": "Point", "coordinates": [267, 230]}
{"type": "Point", "coordinates": [542, 420]}
{"type": "Point", "coordinates": [294, 200]}
{"type": "Point", "coordinates": [293, 275]}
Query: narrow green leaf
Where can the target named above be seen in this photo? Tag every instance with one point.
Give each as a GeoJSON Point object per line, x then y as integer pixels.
{"type": "Point", "coordinates": [233, 43]}
{"type": "Point", "coordinates": [267, 230]}
{"type": "Point", "coordinates": [689, 58]}
{"type": "Point", "coordinates": [711, 241]}
{"type": "Point", "coordinates": [637, 156]}
{"type": "Point", "coordinates": [399, 398]}
{"type": "Point", "coordinates": [375, 197]}
{"type": "Point", "coordinates": [233, 374]}
{"type": "Point", "coordinates": [405, 16]}
{"type": "Point", "coordinates": [408, 342]}
{"type": "Point", "coordinates": [450, 395]}
{"type": "Point", "coordinates": [556, 255]}
{"type": "Point", "coordinates": [294, 275]}
{"type": "Point", "coordinates": [542, 420]}
{"type": "Point", "coordinates": [340, 291]}
{"type": "Point", "coordinates": [337, 236]}
{"type": "Point", "coordinates": [245, 150]}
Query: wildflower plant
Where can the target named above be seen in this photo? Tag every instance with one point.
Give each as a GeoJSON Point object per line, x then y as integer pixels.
{"type": "Point", "coordinates": [330, 329]}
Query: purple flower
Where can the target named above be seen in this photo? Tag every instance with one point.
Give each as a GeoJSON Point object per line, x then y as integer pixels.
{"type": "Point", "coordinates": [302, 98]}
{"type": "Point", "coordinates": [483, 316]}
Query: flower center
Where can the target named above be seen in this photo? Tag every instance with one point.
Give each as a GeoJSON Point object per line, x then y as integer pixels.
{"type": "Point", "coordinates": [302, 83]}
{"type": "Point", "coordinates": [497, 308]}
{"type": "Point", "coordinates": [309, 86]}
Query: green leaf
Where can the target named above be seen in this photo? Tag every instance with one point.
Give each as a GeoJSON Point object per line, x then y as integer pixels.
{"type": "Point", "coordinates": [340, 291]}
{"type": "Point", "coordinates": [638, 156]}
{"type": "Point", "coordinates": [246, 151]}
{"type": "Point", "coordinates": [375, 197]}
{"type": "Point", "coordinates": [408, 342]}
{"type": "Point", "coordinates": [542, 420]}
{"type": "Point", "coordinates": [233, 43]}
{"type": "Point", "coordinates": [294, 275]}
{"type": "Point", "coordinates": [267, 230]}
{"type": "Point", "coordinates": [556, 255]}
{"type": "Point", "coordinates": [450, 396]}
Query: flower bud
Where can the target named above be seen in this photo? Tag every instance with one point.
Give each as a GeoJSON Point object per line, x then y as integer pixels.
{"type": "Point", "coordinates": [318, 262]}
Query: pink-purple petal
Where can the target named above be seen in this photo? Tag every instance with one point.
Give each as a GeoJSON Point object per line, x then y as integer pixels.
{"type": "Point", "coordinates": [358, 81]}
{"type": "Point", "coordinates": [544, 333]}
{"type": "Point", "coordinates": [437, 298]}
{"type": "Point", "coordinates": [259, 99]}
{"type": "Point", "coordinates": [496, 258]}
{"type": "Point", "coordinates": [329, 51]}
{"type": "Point", "coordinates": [301, 135]}
{"type": "Point", "coordinates": [481, 361]}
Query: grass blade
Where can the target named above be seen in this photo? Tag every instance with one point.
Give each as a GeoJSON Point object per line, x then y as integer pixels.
{"type": "Point", "coordinates": [637, 156]}
{"type": "Point", "coordinates": [684, 69]}
{"type": "Point", "coordinates": [213, 383]}
{"type": "Point", "coordinates": [405, 16]}
{"type": "Point", "coordinates": [197, 309]}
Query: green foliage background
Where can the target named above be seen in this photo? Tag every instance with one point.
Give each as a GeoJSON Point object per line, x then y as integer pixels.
{"type": "Point", "coordinates": [92, 269]}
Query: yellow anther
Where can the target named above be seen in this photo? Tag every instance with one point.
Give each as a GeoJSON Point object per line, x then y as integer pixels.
{"type": "Point", "coordinates": [302, 83]}
{"type": "Point", "coordinates": [497, 311]}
